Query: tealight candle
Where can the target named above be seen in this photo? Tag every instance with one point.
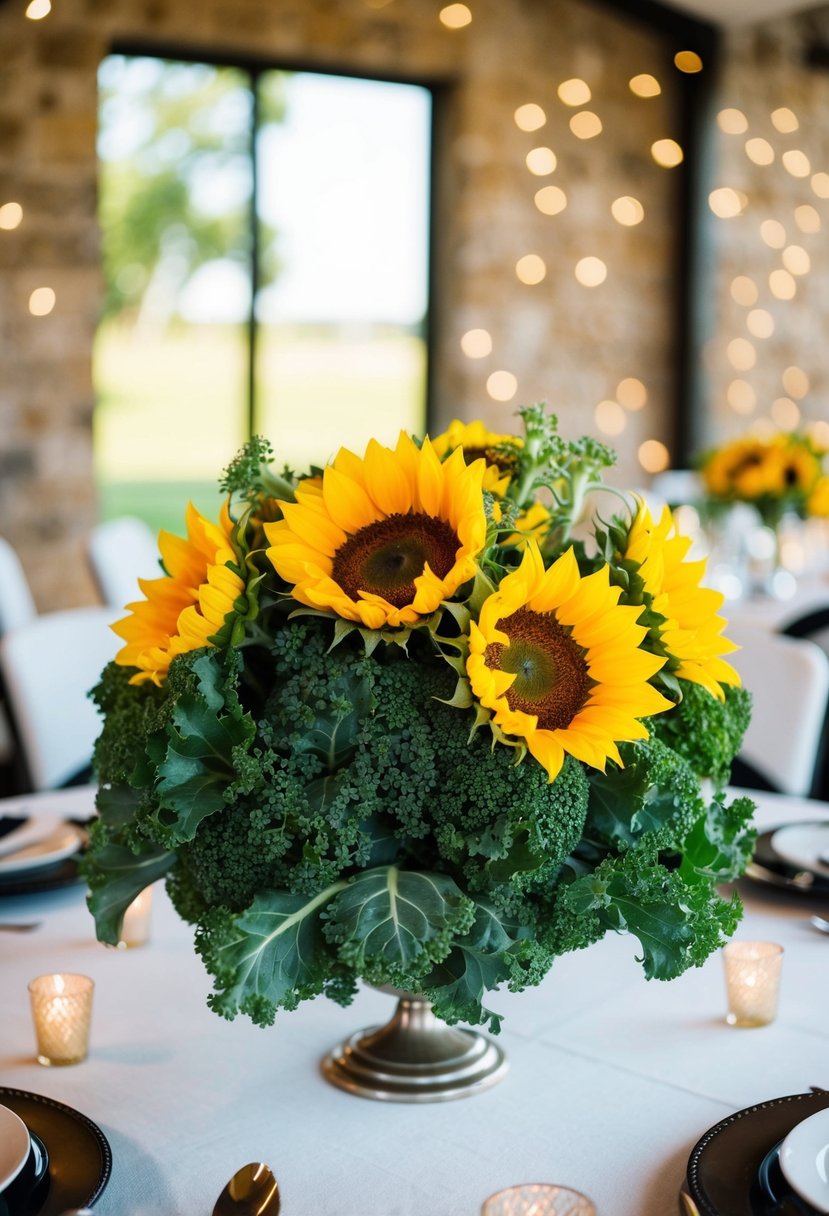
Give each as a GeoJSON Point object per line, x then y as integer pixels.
{"type": "Point", "coordinates": [538, 1199]}
{"type": "Point", "coordinates": [752, 981]}
{"type": "Point", "coordinates": [61, 1010]}
{"type": "Point", "coordinates": [135, 928]}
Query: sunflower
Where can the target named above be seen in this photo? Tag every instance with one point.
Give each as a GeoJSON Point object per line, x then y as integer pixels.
{"type": "Point", "coordinates": [532, 524]}
{"type": "Point", "coordinates": [476, 442]}
{"type": "Point", "coordinates": [182, 611]}
{"type": "Point", "coordinates": [742, 469]}
{"type": "Point", "coordinates": [385, 538]}
{"type": "Point", "coordinates": [692, 630]}
{"type": "Point", "coordinates": [796, 468]}
{"type": "Point", "coordinates": [556, 659]}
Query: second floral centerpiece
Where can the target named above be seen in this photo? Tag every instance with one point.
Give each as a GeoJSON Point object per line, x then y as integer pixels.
{"type": "Point", "coordinates": [391, 722]}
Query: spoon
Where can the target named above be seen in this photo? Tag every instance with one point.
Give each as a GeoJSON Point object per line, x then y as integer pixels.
{"type": "Point", "coordinates": [819, 923]}
{"type": "Point", "coordinates": [252, 1191]}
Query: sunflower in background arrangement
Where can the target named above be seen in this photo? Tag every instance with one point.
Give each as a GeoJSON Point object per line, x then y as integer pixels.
{"type": "Point", "coordinates": [477, 442]}
{"type": "Point", "coordinates": [773, 473]}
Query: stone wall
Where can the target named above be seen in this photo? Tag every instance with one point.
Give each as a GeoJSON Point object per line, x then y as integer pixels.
{"type": "Point", "coordinates": [777, 373]}
{"type": "Point", "coordinates": [561, 341]}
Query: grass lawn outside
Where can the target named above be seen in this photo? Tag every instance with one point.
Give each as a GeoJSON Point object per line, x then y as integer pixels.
{"type": "Point", "coordinates": [171, 409]}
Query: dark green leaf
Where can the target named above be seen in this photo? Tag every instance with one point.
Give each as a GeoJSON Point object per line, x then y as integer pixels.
{"type": "Point", "coordinates": [199, 764]}
{"type": "Point", "coordinates": [272, 954]}
{"type": "Point", "coordinates": [116, 805]}
{"type": "Point", "coordinates": [394, 917]}
{"type": "Point", "coordinates": [116, 876]}
{"type": "Point", "coordinates": [719, 846]}
{"type": "Point", "coordinates": [333, 732]}
{"type": "Point", "coordinates": [478, 963]}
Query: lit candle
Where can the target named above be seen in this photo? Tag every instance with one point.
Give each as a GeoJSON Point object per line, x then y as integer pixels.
{"type": "Point", "coordinates": [752, 980]}
{"type": "Point", "coordinates": [61, 1010]}
{"type": "Point", "coordinates": [538, 1199]}
{"type": "Point", "coordinates": [135, 929]}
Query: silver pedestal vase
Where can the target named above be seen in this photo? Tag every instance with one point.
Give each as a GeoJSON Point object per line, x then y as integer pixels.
{"type": "Point", "coordinates": [415, 1057]}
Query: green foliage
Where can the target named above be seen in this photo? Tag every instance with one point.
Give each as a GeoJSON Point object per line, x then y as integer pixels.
{"type": "Point", "coordinates": [704, 731]}
{"type": "Point", "coordinates": [323, 814]}
{"type": "Point", "coordinates": [157, 226]}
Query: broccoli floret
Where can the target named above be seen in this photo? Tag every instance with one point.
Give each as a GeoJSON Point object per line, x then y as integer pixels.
{"type": "Point", "coordinates": [706, 732]}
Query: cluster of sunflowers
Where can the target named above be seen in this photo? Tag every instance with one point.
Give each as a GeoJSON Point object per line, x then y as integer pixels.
{"type": "Point", "coordinates": [391, 720]}
{"type": "Point", "coordinates": [784, 471]}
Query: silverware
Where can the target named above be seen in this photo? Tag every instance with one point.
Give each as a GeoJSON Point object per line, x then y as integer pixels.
{"type": "Point", "coordinates": [819, 923]}
{"type": "Point", "coordinates": [19, 926]}
{"type": "Point", "coordinates": [252, 1191]}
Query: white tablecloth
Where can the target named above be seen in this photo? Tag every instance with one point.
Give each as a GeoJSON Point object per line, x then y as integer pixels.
{"type": "Point", "coordinates": [612, 1081]}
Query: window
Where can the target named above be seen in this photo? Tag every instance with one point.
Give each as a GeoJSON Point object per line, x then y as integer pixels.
{"type": "Point", "coordinates": [265, 240]}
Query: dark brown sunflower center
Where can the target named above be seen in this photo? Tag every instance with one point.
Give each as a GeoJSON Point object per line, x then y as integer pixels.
{"type": "Point", "coordinates": [385, 557]}
{"type": "Point", "coordinates": [505, 461]}
{"type": "Point", "coordinates": [550, 669]}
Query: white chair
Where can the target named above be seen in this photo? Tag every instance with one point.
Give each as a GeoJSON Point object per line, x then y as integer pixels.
{"type": "Point", "coordinates": [16, 607]}
{"type": "Point", "coordinates": [47, 667]}
{"type": "Point", "coordinates": [16, 603]}
{"type": "Point", "coordinates": [814, 626]}
{"type": "Point", "coordinates": [120, 552]}
{"type": "Point", "coordinates": [789, 682]}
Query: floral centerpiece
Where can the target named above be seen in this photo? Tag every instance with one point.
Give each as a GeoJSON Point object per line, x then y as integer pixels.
{"type": "Point", "coordinates": [391, 721]}
{"type": "Point", "coordinates": [778, 473]}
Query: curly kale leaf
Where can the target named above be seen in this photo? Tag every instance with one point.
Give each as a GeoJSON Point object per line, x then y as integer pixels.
{"type": "Point", "coordinates": [720, 844]}
{"type": "Point", "coordinates": [495, 950]}
{"type": "Point", "coordinates": [705, 731]}
{"type": "Point", "coordinates": [270, 957]}
{"type": "Point", "coordinates": [116, 874]}
{"type": "Point", "coordinates": [131, 714]}
{"type": "Point", "coordinates": [390, 925]}
{"type": "Point", "coordinates": [678, 923]}
{"type": "Point", "coordinates": [655, 788]}
{"type": "Point", "coordinates": [202, 747]}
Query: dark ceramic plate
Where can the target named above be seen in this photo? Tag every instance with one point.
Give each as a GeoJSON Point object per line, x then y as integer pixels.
{"type": "Point", "coordinates": [80, 1159]}
{"type": "Point", "coordinates": [770, 869]}
{"type": "Point", "coordinates": [64, 874]}
{"type": "Point", "coordinates": [725, 1164]}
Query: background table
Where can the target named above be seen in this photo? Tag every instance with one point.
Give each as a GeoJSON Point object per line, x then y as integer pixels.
{"type": "Point", "coordinates": [613, 1079]}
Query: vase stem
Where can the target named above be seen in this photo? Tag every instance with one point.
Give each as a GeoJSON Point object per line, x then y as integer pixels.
{"type": "Point", "coordinates": [415, 1057]}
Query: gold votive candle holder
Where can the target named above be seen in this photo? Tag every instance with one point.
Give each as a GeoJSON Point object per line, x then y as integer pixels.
{"type": "Point", "coordinates": [135, 927]}
{"type": "Point", "coordinates": [538, 1199]}
{"type": "Point", "coordinates": [62, 1012]}
{"type": "Point", "coordinates": [752, 982]}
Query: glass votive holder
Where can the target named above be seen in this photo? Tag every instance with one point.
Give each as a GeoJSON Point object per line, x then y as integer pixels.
{"type": "Point", "coordinates": [752, 981]}
{"type": "Point", "coordinates": [538, 1199]}
{"type": "Point", "coordinates": [61, 1011]}
{"type": "Point", "coordinates": [135, 927]}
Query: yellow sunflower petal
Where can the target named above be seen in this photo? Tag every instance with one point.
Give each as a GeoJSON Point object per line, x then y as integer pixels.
{"type": "Point", "coordinates": [184, 610]}
{"type": "Point", "coordinates": [564, 695]}
{"type": "Point", "coordinates": [380, 545]}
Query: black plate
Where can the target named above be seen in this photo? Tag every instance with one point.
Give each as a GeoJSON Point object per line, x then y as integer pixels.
{"type": "Point", "coordinates": [63, 874]}
{"type": "Point", "coordinates": [80, 1159]}
{"type": "Point", "coordinates": [769, 869]}
{"type": "Point", "coordinates": [724, 1165]}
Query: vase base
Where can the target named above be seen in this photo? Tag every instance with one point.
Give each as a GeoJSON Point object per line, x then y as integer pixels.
{"type": "Point", "coordinates": [415, 1058]}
